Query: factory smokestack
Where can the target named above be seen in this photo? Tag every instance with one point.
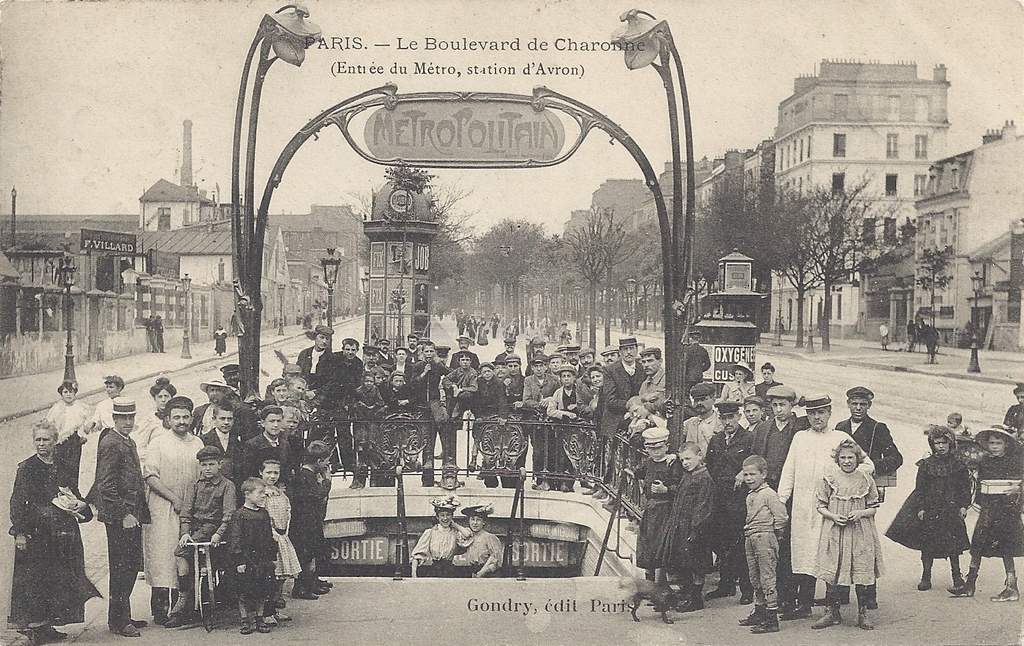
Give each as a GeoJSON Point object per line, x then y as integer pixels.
{"type": "Point", "coordinates": [186, 154]}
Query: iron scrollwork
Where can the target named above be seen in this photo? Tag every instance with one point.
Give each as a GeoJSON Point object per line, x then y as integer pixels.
{"type": "Point", "coordinates": [399, 439]}
{"type": "Point", "coordinates": [502, 442]}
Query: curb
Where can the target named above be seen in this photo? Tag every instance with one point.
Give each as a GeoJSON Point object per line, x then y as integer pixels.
{"type": "Point", "coordinates": [15, 415]}
{"type": "Point", "coordinates": [891, 368]}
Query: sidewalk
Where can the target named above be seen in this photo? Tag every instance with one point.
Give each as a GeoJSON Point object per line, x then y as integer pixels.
{"type": "Point", "coordinates": [996, 366]}
{"type": "Point", "coordinates": [29, 394]}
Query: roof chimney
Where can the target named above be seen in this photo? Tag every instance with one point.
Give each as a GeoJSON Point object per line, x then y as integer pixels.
{"type": "Point", "coordinates": [939, 73]}
{"type": "Point", "coordinates": [186, 153]}
{"type": "Point", "coordinates": [1009, 131]}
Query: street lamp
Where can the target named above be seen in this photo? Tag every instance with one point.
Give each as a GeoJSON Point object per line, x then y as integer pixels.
{"type": "Point", "coordinates": [630, 307]}
{"type": "Point", "coordinates": [365, 280]}
{"type": "Point", "coordinates": [284, 35]}
{"type": "Point", "coordinates": [186, 352]}
{"type": "Point", "coordinates": [977, 284]}
{"type": "Point", "coordinates": [66, 278]}
{"type": "Point", "coordinates": [280, 303]}
{"type": "Point", "coordinates": [579, 313]}
{"type": "Point", "coordinates": [649, 41]}
{"type": "Point", "coordinates": [330, 263]}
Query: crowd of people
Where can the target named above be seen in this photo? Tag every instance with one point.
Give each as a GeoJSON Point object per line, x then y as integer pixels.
{"type": "Point", "coordinates": [771, 500]}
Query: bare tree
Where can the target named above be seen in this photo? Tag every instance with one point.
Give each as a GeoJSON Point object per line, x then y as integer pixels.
{"type": "Point", "coordinates": [843, 238]}
{"type": "Point", "coordinates": [594, 248]}
{"type": "Point", "coordinates": [932, 267]}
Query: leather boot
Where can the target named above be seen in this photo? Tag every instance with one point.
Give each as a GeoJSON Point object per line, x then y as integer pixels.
{"type": "Point", "coordinates": [159, 603]}
{"type": "Point", "coordinates": [769, 625]}
{"type": "Point", "coordinates": [800, 611]}
{"type": "Point", "coordinates": [967, 589]}
{"type": "Point", "coordinates": [755, 618]}
{"type": "Point", "coordinates": [862, 619]}
{"type": "Point", "coordinates": [831, 617]}
{"type": "Point", "coordinates": [723, 591]}
{"type": "Point", "coordinates": [1010, 592]}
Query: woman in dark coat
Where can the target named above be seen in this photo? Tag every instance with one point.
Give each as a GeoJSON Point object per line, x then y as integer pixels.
{"type": "Point", "coordinates": [931, 520]}
{"type": "Point", "coordinates": [49, 586]}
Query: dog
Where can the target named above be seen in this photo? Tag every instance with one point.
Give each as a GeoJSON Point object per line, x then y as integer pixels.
{"type": "Point", "coordinates": [660, 596]}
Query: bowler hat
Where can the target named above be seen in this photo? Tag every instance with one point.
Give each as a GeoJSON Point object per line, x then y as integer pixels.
{"type": "Point", "coordinates": [627, 342]}
{"type": "Point", "coordinates": [442, 350]}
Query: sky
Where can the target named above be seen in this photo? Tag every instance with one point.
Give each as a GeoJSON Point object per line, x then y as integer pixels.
{"type": "Point", "coordinates": [94, 94]}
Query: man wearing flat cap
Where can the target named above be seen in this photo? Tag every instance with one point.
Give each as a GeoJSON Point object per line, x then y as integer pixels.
{"type": "Point", "coordinates": [119, 495]}
{"type": "Point", "coordinates": [810, 456]}
{"type": "Point", "coordinates": [724, 458]}
{"type": "Point", "coordinates": [171, 469]}
{"type": "Point", "coordinates": [315, 359]}
{"type": "Point", "coordinates": [474, 361]}
{"type": "Point", "coordinates": [872, 436]}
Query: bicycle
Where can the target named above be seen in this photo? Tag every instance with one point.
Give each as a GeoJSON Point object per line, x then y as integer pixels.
{"type": "Point", "coordinates": [205, 581]}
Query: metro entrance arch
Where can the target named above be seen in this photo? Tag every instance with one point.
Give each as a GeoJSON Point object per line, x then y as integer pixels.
{"type": "Point", "coordinates": [484, 130]}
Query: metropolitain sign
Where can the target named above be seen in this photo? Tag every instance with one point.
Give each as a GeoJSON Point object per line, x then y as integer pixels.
{"type": "Point", "coordinates": [470, 131]}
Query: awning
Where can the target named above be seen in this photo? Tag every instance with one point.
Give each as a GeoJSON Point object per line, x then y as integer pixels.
{"type": "Point", "coordinates": [7, 271]}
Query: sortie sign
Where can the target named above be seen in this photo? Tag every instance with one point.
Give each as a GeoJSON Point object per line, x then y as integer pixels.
{"type": "Point", "coordinates": [464, 131]}
{"type": "Point", "coordinates": [111, 242]}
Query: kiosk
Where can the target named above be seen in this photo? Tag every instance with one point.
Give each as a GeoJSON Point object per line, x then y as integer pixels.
{"type": "Point", "coordinates": [728, 326]}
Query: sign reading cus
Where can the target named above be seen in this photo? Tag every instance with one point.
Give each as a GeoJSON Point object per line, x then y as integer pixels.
{"type": "Point", "coordinates": [479, 131]}
{"type": "Point", "coordinates": [724, 359]}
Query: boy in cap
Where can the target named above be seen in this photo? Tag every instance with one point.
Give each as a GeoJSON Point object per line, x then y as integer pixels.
{"type": "Point", "coordinates": [461, 381]}
{"type": "Point", "coordinates": [725, 455]}
{"type": "Point", "coordinates": [208, 507]}
{"type": "Point", "coordinates": [872, 436]}
{"type": "Point", "coordinates": [315, 359]}
{"type": "Point", "coordinates": [569, 403]}
{"type": "Point", "coordinates": [510, 349]}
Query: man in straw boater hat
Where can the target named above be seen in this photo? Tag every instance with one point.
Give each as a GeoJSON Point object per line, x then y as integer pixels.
{"type": "Point", "coordinates": [810, 454]}
{"type": "Point", "coordinates": [119, 495]}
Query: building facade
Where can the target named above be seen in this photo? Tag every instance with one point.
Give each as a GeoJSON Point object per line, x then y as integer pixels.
{"type": "Point", "coordinates": [852, 124]}
{"type": "Point", "coordinates": [971, 201]}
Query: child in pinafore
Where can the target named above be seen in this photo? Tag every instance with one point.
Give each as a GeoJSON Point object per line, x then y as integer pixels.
{"type": "Point", "coordinates": [253, 550]}
{"type": "Point", "coordinates": [683, 547]}
{"type": "Point", "coordinates": [660, 477]}
{"type": "Point", "coordinates": [849, 552]}
{"type": "Point", "coordinates": [287, 565]}
{"type": "Point", "coordinates": [999, 532]}
{"type": "Point", "coordinates": [931, 520]}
